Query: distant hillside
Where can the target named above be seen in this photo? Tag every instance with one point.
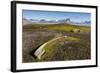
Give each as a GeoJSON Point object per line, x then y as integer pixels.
{"type": "Point", "coordinates": [26, 21]}
{"type": "Point", "coordinates": [43, 21]}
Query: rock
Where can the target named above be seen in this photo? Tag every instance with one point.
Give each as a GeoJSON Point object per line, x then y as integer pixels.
{"type": "Point", "coordinates": [75, 30]}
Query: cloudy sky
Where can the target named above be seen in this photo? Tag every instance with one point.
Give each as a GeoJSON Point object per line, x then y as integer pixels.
{"type": "Point", "coordinates": [53, 15]}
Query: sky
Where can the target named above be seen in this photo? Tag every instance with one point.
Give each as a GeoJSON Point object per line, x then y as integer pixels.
{"type": "Point", "coordinates": [55, 15]}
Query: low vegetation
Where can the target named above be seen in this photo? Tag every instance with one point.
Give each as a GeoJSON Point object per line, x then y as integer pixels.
{"type": "Point", "coordinates": [60, 27]}
{"type": "Point", "coordinates": [74, 47]}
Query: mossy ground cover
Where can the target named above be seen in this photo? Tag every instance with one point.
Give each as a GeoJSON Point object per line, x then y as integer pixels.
{"type": "Point", "coordinates": [74, 47]}
{"type": "Point", "coordinates": [61, 27]}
